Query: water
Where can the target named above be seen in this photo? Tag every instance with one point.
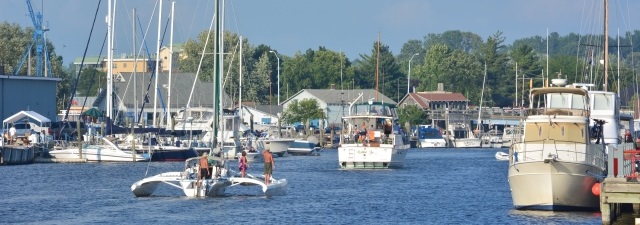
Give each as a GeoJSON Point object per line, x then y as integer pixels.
{"type": "Point", "coordinates": [446, 186]}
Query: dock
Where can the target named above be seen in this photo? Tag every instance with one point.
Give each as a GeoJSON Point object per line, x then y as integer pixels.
{"type": "Point", "coordinates": [620, 190]}
{"type": "Point", "coordinates": [16, 155]}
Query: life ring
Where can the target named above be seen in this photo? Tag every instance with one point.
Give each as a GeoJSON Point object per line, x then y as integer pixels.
{"type": "Point", "coordinates": [464, 126]}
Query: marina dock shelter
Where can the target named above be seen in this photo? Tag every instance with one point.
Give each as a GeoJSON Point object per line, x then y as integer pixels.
{"type": "Point", "coordinates": [30, 116]}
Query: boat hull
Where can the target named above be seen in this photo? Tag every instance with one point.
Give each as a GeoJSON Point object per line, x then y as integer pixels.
{"type": "Point", "coordinates": [553, 185]}
{"type": "Point", "coordinates": [276, 146]}
{"type": "Point", "coordinates": [467, 143]}
{"type": "Point", "coordinates": [98, 155]}
{"type": "Point", "coordinates": [364, 157]}
{"type": "Point", "coordinates": [433, 143]}
{"type": "Point", "coordinates": [300, 147]}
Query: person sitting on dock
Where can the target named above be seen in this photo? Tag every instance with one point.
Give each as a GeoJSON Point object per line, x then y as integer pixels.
{"type": "Point", "coordinates": [204, 168]}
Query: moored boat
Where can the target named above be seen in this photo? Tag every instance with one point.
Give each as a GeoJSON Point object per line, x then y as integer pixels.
{"type": "Point", "coordinates": [430, 137]}
{"type": "Point", "coordinates": [379, 144]}
{"type": "Point", "coordinates": [106, 151]}
{"type": "Point", "coordinates": [559, 157]}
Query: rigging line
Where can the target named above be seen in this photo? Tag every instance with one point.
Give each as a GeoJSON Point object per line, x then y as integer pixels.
{"type": "Point", "coordinates": [146, 95]}
{"type": "Point", "coordinates": [145, 32]}
{"type": "Point", "coordinates": [84, 55]}
{"type": "Point", "coordinates": [226, 78]}
{"type": "Point", "coordinates": [206, 42]}
{"type": "Point", "coordinates": [93, 75]}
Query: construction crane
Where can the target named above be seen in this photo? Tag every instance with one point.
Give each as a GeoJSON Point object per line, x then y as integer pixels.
{"type": "Point", "coordinates": [42, 53]}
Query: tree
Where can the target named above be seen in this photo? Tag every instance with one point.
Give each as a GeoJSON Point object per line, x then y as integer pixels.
{"type": "Point", "coordinates": [303, 111]}
{"type": "Point", "coordinates": [389, 72]}
{"type": "Point", "coordinates": [15, 41]}
{"type": "Point", "coordinates": [257, 86]}
{"type": "Point", "coordinates": [412, 114]}
{"type": "Point", "coordinates": [90, 81]}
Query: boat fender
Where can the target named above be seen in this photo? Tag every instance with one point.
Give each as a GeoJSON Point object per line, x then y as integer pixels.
{"type": "Point", "coordinates": [595, 189]}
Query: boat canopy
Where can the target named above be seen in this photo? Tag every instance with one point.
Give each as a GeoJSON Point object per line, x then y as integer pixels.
{"type": "Point", "coordinates": [558, 90]}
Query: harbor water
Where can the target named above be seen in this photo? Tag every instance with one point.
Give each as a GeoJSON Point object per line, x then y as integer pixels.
{"type": "Point", "coordinates": [442, 186]}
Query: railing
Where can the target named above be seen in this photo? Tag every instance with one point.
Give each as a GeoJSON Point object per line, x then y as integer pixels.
{"type": "Point", "coordinates": [535, 151]}
{"type": "Point", "coordinates": [622, 161]}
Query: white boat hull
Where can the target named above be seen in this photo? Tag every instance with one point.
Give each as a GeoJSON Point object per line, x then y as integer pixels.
{"type": "Point", "coordinates": [467, 143]}
{"type": "Point", "coordinates": [276, 146]}
{"type": "Point", "coordinates": [302, 147]}
{"type": "Point", "coordinates": [502, 156]}
{"type": "Point", "coordinates": [208, 188]}
{"type": "Point", "coordinates": [354, 156]}
{"type": "Point", "coordinates": [433, 143]}
{"type": "Point", "coordinates": [553, 185]}
{"type": "Point", "coordinates": [98, 155]}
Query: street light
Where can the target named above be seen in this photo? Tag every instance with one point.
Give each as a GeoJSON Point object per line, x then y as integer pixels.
{"type": "Point", "coordinates": [278, 80]}
{"type": "Point", "coordinates": [409, 77]}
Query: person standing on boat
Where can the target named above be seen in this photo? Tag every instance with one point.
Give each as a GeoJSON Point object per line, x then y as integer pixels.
{"type": "Point", "coordinates": [204, 168]}
{"type": "Point", "coordinates": [243, 163]}
{"type": "Point", "coordinates": [355, 134]}
{"type": "Point", "coordinates": [269, 165]}
{"type": "Point", "coordinates": [363, 131]}
{"type": "Point", "coordinates": [12, 134]}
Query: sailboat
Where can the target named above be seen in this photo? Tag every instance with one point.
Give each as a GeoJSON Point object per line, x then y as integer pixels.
{"type": "Point", "coordinates": [221, 177]}
{"type": "Point", "coordinates": [562, 152]}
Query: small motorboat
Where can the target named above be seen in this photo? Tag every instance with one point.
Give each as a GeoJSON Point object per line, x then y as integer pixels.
{"type": "Point", "coordinates": [502, 156]}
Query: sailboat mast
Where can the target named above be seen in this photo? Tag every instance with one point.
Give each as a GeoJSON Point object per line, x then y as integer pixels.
{"type": "Point", "coordinates": [170, 67]}
{"type": "Point", "coordinates": [606, 43]}
{"type": "Point", "coordinates": [109, 60]}
{"type": "Point", "coordinates": [240, 81]}
{"type": "Point", "coordinates": [135, 66]}
{"type": "Point", "coordinates": [479, 127]}
{"type": "Point", "coordinates": [155, 94]}
{"type": "Point", "coordinates": [217, 90]}
{"type": "Point", "coordinates": [377, 65]}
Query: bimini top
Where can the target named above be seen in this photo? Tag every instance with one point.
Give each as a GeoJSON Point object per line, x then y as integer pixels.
{"type": "Point", "coordinates": [22, 114]}
{"type": "Point", "coordinates": [559, 90]}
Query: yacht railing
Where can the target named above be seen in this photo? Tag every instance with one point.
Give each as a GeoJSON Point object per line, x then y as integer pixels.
{"type": "Point", "coordinates": [558, 150]}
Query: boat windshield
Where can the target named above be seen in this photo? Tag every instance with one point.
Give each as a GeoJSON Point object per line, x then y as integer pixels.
{"type": "Point", "coordinates": [429, 133]}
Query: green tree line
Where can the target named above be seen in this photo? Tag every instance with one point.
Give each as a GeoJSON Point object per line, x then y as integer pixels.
{"type": "Point", "coordinates": [454, 58]}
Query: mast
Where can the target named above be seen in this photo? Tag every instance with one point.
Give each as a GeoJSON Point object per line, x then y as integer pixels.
{"type": "Point", "coordinates": [479, 127]}
{"type": "Point", "coordinates": [217, 90]}
{"type": "Point", "coordinates": [240, 82]}
{"type": "Point", "coordinates": [135, 66]}
{"type": "Point", "coordinates": [109, 60]}
{"type": "Point", "coordinates": [606, 43]}
{"type": "Point", "coordinates": [170, 68]}
{"type": "Point", "coordinates": [377, 65]}
{"type": "Point", "coordinates": [155, 94]}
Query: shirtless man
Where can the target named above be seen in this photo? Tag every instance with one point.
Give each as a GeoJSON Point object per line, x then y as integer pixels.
{"type": "Point", "coordinates": [204, 169]}
{"type": "Point", "coordinates": [269, 165]}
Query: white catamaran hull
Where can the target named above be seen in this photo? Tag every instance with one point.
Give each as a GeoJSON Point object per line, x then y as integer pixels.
{"type": "Point", "coordinates": [553, 185]}
{"type": "Point", "coordinates": [363, 157]}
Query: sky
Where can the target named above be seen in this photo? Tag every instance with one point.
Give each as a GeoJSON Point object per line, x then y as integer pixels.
{"type": "Point", "coordinates": [290, 26]}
